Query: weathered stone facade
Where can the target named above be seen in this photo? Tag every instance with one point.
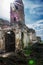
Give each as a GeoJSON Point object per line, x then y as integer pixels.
{"type": "Point", "coordinates": [22, 34]}
{"type": "Point", "coordinates": [17, 12]}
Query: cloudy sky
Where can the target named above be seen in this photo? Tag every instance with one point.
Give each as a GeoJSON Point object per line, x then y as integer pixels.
{"type": "Point", "coordinates": [33, 13]}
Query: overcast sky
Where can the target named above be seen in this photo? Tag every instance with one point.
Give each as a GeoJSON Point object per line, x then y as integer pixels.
{"type": "Point", "coordinates": [33, 13]}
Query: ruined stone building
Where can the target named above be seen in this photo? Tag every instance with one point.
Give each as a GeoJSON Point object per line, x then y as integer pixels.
{"type": "Point", "coordinates": [38, 39]}
{"type": "Point", "coordinates": [16, 34]}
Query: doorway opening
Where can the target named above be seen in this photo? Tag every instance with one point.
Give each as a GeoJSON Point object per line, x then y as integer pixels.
{"type": "Point", "coordinates": [10, 41]}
